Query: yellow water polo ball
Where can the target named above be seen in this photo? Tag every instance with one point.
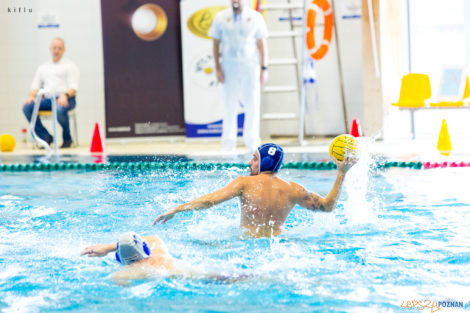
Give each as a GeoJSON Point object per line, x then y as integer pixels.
{"type": "Point", "coordinates": [343, 145]}
{"type": "Point", "coordinates": [7, 143]}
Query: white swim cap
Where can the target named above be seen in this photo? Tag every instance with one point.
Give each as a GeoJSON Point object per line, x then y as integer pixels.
{"type": "Point", "coordinates": [131, 248]}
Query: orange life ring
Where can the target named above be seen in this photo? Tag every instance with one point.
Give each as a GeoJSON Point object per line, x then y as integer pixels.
{"type": "Point", "coordinates": [317, 52]}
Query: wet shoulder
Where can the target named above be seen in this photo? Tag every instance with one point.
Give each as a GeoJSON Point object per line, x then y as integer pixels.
{"type": "Point", "coordinates": [156, 244]}
{"type": "Point", "coordinates": [268, 180]}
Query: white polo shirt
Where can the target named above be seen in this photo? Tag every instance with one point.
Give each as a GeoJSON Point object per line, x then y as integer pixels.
{"type": "Point", "coordinates": [238, 34]}
{"type": "Point", "coordinates": [57, 77]}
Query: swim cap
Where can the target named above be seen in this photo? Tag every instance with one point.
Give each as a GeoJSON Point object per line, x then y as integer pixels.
{"type": "Point", "coordinates": [131, 248]}
{"type": "Point", "coordinates": [270, 157]}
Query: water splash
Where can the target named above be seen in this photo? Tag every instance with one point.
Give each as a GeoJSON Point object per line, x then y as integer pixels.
{"type": "Point", "coordinates": [323, 262]}
{"type": "Point", "coordinates": [358, 209]}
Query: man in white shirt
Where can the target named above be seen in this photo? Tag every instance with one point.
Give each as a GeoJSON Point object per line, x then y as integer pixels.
{"type": "Point", "coordinates": [240, 54]}
{"type": "Point", "coordinates": [60, 77]}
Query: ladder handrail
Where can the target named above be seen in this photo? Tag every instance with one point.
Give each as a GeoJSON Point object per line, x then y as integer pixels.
{"type": "Point", "coordinates": [44, 93]}
{"type": "Point", "coordinates": [303, 87]}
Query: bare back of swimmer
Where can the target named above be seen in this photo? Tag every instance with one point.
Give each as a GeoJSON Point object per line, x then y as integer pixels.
{"type": "Point", "coordinates": [266, 200]}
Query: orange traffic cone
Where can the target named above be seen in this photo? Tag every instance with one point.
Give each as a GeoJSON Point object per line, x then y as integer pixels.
{"type": "Point", "coordinates": [97, 143]}
{"type": "Point", "coordinates": [356, 130]}
{"type": "Point", "coordinates": [443, 143]}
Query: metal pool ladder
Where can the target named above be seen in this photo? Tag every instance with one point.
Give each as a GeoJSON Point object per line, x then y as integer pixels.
{"type": "Point", "coordinates": [44, 93]}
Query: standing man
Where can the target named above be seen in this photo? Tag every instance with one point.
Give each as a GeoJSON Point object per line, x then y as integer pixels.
{"type": "Point", "coordinates": [60, 77]}
{"type": "Point", "coordinates": [240, 54]}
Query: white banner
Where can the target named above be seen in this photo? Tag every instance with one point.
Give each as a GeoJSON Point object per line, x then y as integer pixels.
{"type": "Point", "coordinates": [203, 101]}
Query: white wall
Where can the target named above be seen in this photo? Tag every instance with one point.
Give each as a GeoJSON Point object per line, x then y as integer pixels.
{"type": "Point", "coordinates": [450, 27]}
{"type": "Point", "coordinates": [23, 47]}
{"type": "Point", "coordinates": [325, 112]}
{"type": "Point", "coordinates": [467, 33]}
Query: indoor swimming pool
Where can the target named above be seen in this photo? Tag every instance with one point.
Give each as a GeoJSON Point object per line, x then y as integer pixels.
{"type": "Point", "coordinates": [397, 235]}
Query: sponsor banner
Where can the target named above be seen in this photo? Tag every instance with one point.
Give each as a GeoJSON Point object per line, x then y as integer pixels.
{"type": "Point", "coordinates": [212, 129]}
{"type": "Point", "coordinates": [349, 9]}
{"type": "Point", "coordinates": [48, 19]}
{"type": "Point", "coordinates": [203, 101]}
{"type": "Point", "coordinates": [142, 65]}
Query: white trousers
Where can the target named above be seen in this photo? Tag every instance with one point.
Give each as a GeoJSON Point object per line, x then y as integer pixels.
{"type": "Point", "coordinates": [242, 85]}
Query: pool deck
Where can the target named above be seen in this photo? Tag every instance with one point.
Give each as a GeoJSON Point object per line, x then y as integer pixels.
{"type": "Point", "coordinates": [400, 150]}
{"type": "Point", "coordinates": [180, 146]}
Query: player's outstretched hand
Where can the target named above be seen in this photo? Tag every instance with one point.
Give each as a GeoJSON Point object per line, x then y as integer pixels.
{"type": "Point", "coordinates": [163, 218]}
{"type": "Point", "coordinates": [96, 250]}
{"type": "Point", "coordinates": [345, 165]}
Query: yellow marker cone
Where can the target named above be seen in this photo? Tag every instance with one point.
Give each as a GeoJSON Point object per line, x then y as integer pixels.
{"type": "Point", "coordinates": [443, 143]}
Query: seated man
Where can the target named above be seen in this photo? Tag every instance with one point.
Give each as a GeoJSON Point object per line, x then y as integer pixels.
{"type": "Point", "coordinates": [266, 200]}
{"type": "Point", "coordinates": [148, 257]}
{"type": "Point", "coordinates": [60, 77]}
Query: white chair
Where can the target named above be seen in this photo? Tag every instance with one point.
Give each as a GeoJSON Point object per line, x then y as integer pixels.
{"type": "Point", "coordinates": [47, 115]}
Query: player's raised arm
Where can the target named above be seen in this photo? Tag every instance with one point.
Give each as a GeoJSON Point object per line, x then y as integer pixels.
{"type": "Point", "coordinates": [313, 201]}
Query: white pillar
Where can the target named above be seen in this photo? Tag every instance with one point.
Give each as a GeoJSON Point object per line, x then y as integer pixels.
{"type": "Point", "coordinates": [467, 34]}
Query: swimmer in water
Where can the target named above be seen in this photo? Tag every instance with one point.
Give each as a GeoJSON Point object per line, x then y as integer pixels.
{"type": "Point", "coordinates": [266, 200]}
{"type": "Point", "coordinates": [147, 257]}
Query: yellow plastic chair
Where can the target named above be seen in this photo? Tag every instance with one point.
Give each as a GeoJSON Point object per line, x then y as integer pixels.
{"type": "Point", "coordinates": [414, 91]}
{"type": "Point", "coordinates": [460, 103]}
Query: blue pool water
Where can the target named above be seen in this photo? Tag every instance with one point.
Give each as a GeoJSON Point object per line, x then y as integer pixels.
{"type": "Point", "coordinates": [397, 235]}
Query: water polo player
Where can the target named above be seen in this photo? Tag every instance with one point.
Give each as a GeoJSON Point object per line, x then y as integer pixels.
{"type": "Point", "coordinates": [266, 200]}
{"type": "Point", "coordinates": [147, 257]}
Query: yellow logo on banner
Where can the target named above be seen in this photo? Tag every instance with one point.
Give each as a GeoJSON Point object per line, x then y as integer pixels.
{"type": "Point", "coordinates": [200, 22]}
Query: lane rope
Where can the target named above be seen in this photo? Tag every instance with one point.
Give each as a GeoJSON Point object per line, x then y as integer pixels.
{"type": "Point", "coordinates": [50, 167]}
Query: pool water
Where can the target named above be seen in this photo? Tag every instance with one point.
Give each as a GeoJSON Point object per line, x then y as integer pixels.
{"type": "Point", "coordinates": [396, 235]}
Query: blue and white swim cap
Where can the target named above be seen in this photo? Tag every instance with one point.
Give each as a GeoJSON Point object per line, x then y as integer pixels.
{"type": "Point", "coordinates": [270, 157]}
{"type": "Point", "coordinates": [131, 248]}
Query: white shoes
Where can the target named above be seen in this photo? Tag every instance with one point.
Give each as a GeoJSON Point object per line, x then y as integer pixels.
{"type": "Point", "coordinates": [229, 146]}
{"type": "Point", "coordinates": [228, 150]}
